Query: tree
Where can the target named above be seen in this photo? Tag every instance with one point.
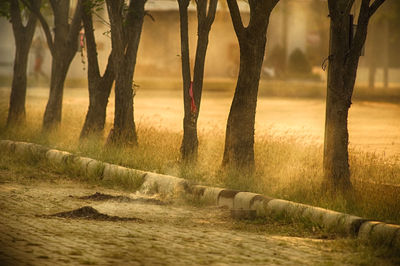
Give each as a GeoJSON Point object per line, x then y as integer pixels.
{"type": "Point", "coordinates": [192, 91]}
{"type": "Point", "coordinates": [23, 35]}
{"type": "Point", "coordinates": [63, 45]}
{"type": "Point", "coordinates": [99, 86]}
{"type": "Point", "coordinates": [345, 51]}
{"type": "Point", "coordinates": [126, 27]}
{"type": "Point", "coordinates": [239, 139]}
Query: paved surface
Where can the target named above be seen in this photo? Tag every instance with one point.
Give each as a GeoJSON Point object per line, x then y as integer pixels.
{"type": "Point", "coordinates": [173, 234]}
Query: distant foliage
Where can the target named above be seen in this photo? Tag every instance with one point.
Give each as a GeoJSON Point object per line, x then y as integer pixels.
{"type": "Point", "coordinates": [5, 9]}
{"type": "Point", "coordinates": [298, 63]}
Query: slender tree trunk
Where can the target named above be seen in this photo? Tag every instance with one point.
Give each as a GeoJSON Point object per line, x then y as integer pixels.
{"type": "Point", "coordinates": [125, 37]}
{"type": "Point", "coordinates": [189, 141]}
{"type": "Point", "coordinates": [23, 36]}
{"type": "Point", "coordinates": [239, 139]}
{"type": "Point", "coordinates": [63, 48]}
{"type": "Point", "coordinates": [16, 112]}
{"type": "Point", "coordinates": [99, 92]}
{"type": "Point", "coordinates": [99, 86]}
{"type": "Point", "coordinates": [124, 130]}
{"type": "Point", "coordinates": [52, 114]}
{"type": "Point", "coordinates": [205, 19]}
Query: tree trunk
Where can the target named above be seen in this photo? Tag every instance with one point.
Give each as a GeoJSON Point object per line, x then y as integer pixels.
{"type": "Point", "coordinates": [99, 87]}
{"type": "Point", "coordinates": [189, 140]}
{"type": "Point", "coordinates": [63, 49]}
{"type": "Point", "coordinates": [23, 36]}
{"type": "Point", "coordinates": [124, 130]}
{"type": "Point", "coordinates": [125, 38]}
{"type": "Point", "coordinates": [239, 139]}
{"type": "Point", "coordinates": [99, 92]}
{"type": "Point", "coordinates": [189, 145]}
{"type": "Point", "coordinates": [338, 101]}
{"type": "Point", "coordinates": [344, 54]}
{"type": "Point", "coordinates": [52, 114]}
{"type": "Point", "coordinates": [16, 112]}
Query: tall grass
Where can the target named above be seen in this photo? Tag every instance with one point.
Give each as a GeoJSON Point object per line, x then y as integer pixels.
{"type": "Point", "coordinates": [285, 166]}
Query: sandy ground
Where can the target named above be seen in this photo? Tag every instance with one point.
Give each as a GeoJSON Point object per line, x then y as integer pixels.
{"type": "Point", "coordinates": [172, 234]}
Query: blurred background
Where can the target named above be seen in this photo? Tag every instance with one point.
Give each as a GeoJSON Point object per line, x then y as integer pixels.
{"type": "Point", "coordinates": [293, 81]}
{"type": "Point", "coordinates": [298, 44]}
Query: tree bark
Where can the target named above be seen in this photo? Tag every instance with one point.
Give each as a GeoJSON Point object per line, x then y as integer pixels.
{"type": "Point", "coordinates": [344, 56]}
{"type": "Point", "coordinates": [99, 86]}
{"type": "Point", "coordinates": [205, 19]}
{"type": "Point", "coordinates": [189, 142]}
{"type": "Point", "coordinates": [125, 38]}
{"type": "Point", "coordinates": [239, 139]}
{"type": "Point", "coordinates": [63, 50]}
{"type": "Point", "coordinates": [99, 92]}
{"type": "Point", "coordinates": [23, 36]}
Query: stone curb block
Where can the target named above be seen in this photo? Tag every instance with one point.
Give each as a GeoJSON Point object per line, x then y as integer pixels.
{"type": "Point", "coordinates": [251, 201]}
{"type": "Point", "coordinates": [22, 148]}
{"type": "Point", "coordinates": [112, 170]}
{"type": "Point", "coordinates": [226, 198]}
{"type": "Point", "coordinates": [211, 194]}
{"type": "Point", "coordinates": [244, 200]}
{"type": "Point", "coordinates": [57, 157]}
{"type": "Point", "coordinates": [380, 233]}
{"type": "Point", "coordinates": [90, 167]}
{"type": "Point", "coordinates": [7, 145]}
{"type": "Point", "coordinates": [331, 220]}
{"type": "Point", "coordinates": [163, 184]}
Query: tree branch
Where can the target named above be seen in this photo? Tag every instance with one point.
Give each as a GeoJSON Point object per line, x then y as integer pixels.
{"type": "Point", "coordinates": [16, 20]}
{"type": "Point", "coordinates": [260, 10]}
{"type": "Point", "coordinates": [45, 26]}
{"type": "Point", "coordinates": [349, 6]}
{"type": "Point", "coordinates": [93, 64]}
{"type": "Point", "coordinates": [211, 12]}
{"type": "Point", "coordinates": [31, 21]}
{"type": "Point", "coordinates": [236, 18]}
{"type": "Point", "coordinates": [201, 13]}
{"type": "Point", "coordinates": [75, 24]}
{"type": "Point", "coordinates": [375, 5]}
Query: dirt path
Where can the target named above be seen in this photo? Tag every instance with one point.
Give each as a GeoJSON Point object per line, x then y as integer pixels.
{"type": "Point", "coordinates": [165, 234]}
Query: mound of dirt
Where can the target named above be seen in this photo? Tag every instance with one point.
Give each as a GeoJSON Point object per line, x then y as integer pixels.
{"type": "Point", "coordinates": [90, 213]}
{"type": "Point", "coordinates": [103, 197]}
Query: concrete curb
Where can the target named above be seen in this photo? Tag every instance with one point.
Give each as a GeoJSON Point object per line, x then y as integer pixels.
{"type": "Point", "coordinates": [369, 231]}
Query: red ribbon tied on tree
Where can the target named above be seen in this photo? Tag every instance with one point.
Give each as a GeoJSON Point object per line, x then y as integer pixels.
{"type": "Point", "coordinates": [193, 107]}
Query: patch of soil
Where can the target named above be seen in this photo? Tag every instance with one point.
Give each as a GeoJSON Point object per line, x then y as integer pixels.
{"type": "Point", "coordinates": [103, 197]}
{"type": "Point", "coordinates": [90, 213]}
